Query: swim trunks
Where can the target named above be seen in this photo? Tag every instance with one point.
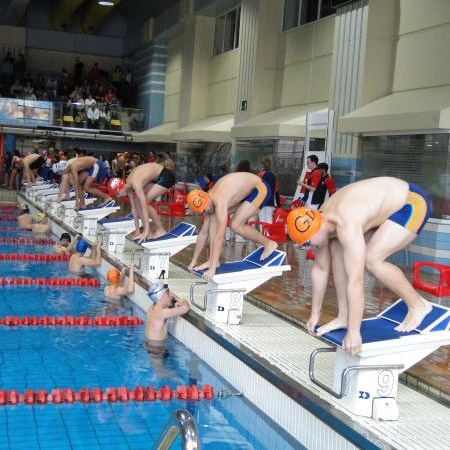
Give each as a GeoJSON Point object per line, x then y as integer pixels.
{"type": "Point", "coordinates": [417, 210]}
{"type": "Point", "coordinates": [97, 169]}
{"type": "Point", "coordinates": [166, 178]}
{"type": "Point", "coordinates": [261, 195]}
{"type": "Point", "coordinates": [37, 163]}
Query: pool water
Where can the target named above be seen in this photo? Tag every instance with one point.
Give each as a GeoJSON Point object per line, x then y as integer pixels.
{"type": "Point", "coordinates": [48, 357]}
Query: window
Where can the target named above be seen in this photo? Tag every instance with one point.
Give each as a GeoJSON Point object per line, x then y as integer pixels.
{"type": "Point", "coordinates": [226, 32]}
{"type": "Point", "coordinates": [422, 159]}
{"type": "Point", "coordinates": [299, 12]}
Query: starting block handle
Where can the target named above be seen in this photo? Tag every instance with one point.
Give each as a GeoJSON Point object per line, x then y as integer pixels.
{"type": "Point", "coordinates": [345, 376]}
{"type": "Point", "coordinates": [208, 293]}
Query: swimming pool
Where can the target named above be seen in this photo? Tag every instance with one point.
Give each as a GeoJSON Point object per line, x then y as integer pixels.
{"type": "Point", "coordinates": [49, 357]}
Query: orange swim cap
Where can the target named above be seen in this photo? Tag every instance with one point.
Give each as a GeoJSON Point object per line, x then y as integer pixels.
{"type": "Point", "coordinates": [197, 200]}
{"type": "Point", "coordinates": [113, 276]}
{"type": "Point", "coordinates": [303, 223]}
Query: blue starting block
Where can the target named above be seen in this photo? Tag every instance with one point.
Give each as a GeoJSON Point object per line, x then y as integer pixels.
{"type": "Point", "coordinates": [158, 251]}
{"type": "Point", "coordinates": [224, 297]}
{"type": "Point", "coordinates": [366, 384]}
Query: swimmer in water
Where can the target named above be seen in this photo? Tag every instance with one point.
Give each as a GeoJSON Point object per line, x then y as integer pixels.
{"type": "Point", "coordinates": [78, 261]}
{"type": "Point", "coordinates": [116, 287]}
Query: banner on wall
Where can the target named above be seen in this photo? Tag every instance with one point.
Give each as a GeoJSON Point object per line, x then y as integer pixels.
{"type": "Point", "coordinates": [26, 112]}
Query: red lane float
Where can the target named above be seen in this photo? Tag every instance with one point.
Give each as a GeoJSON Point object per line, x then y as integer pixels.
{"type": "Point", "coordinates": [26, 241]}
{"type": "Point", "coordinates": [111, 394]}
{"type": "Point", "coordinates": [33, 257]}
{"type": "Point", "coordinates": [13, 229]}
{"type": "Point", "coordinates": [8, 218]}
{"type": "Point", "coordinates": [100, 321]}
{"type": "Point", "coordinates": [21, 281]}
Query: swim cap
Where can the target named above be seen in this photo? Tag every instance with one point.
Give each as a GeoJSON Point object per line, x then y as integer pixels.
{"type": "Point", "coordinates": [39, 217]}
{"type": "Point", "coordinates": [82, 246]}
{"type": "Point", "coordinates": [114, 186]}
{"type": "Point", "coordinates": [60, 166]}
{"type": "Point", "coordinates": [197, 200]}
{"type": "Point", "coordinates": [65, 236]}
{"type": "Point", "coordinates": [24, 208]}
{"type": "Point", "coordinates": [157, 290]}
{"type": "Point", "coordinates": [303, 223]}
{"type": "Point", "coordinates": [113, 276]}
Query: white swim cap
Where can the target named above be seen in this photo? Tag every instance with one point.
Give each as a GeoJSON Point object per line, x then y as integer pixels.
{"type": "Point", "coordinates": [60, 166]}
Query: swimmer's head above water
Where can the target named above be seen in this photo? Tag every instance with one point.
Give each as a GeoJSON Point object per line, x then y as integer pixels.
{"type": "Point", "coordinates": [157, 290]}
{"type": "Point", "coordinates": [113, 276]}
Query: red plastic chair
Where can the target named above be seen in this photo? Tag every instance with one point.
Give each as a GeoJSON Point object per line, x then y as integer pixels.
{"type": "Point", "coordinates": [274, 231]}
{"type": "Point", "coordinates": [440, 288]}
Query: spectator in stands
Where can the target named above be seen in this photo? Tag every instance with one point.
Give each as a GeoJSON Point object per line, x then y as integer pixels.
{"type": "Point", "coordinates": [78, 70]}
{"type": "Point", "coordinates": [117, 78]}
{"type": "Point", "coordinates": [20, 67]}
{"type": "Point", "coordinates": [93, 116]}
{"type": "Point", "coordinates": [94, 75]}
{"type": "Point", "coordinates": [51, 84]}
{"type": "Point", "coordinates": [16, 90]}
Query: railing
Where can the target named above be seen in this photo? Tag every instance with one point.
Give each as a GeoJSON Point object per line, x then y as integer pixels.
{"type": "Point", "coordinates": [182, 422]}
{"type": "Point", "coordinates": [38, 113]}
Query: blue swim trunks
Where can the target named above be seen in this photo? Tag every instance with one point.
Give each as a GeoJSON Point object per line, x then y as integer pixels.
{"type": "Point", "coordinates": [261, 195]}
{"type": "Point", "coordinates": [417, 210]}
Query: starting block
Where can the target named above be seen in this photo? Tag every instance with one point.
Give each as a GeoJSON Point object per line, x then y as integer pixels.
{"type": "Point", "coordinates": [87, 218]}
{"type": "Point", "coordinates": [32, 191]}
{"type": "Point", "coordinates": [115, 231]}
{"type": "Point", "coordinates": [224, 296]}
{"type": "Point", "coordinates": [366, 384]}
{"type": "Point", "coordinates": [159, 250]}
{"type": "Point", "coordinates": [65, 210]}
{"type": "Point", "coordinates": [44, 195]}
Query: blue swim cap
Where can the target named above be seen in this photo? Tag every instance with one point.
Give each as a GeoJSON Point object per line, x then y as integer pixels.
{"type": "Point", "coordinates": [82, 246]}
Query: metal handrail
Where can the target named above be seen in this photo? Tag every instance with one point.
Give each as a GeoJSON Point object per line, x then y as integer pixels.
{"type": "Point", "coordinates": [182, 422]}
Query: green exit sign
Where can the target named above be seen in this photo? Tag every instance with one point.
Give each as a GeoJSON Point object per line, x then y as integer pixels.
{"type": "Point", "coordinates": [243, 105]}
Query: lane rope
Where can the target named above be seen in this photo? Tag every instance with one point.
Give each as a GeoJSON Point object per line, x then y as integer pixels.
{"type": "Point", "coordinates": [34, 257]}
{"type": "Point", "coordinates": [26, 241]}
{"type": "Point", "coordinates": [111, 394]}
{"type": "Point", "coordinates": [103, 321]}
{"type": "Point", "coordinates": [21, 281]}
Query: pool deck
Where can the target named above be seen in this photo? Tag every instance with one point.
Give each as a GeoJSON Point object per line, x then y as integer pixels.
{"type": "Point", "coordinates": [272, 335]}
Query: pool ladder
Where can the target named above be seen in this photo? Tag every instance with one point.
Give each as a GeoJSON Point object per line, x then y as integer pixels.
{"type": "Point", "coordinates": [181, 422]}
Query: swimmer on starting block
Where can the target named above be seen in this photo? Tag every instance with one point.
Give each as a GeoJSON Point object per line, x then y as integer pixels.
{"type": "Point", "coordinates": [165, 306]}
{"type": "Point", "coordinates": [144, 184]}
{"type": "Point", "coordinates": [358, 228]}
{"type": "Point", "coordinates": [116, 287]}
{"type": "Point", "coordinates": [242, 194]}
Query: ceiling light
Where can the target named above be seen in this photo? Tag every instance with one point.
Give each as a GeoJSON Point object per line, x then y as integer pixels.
{"type": "Point", "coordinates": [105, 2]}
